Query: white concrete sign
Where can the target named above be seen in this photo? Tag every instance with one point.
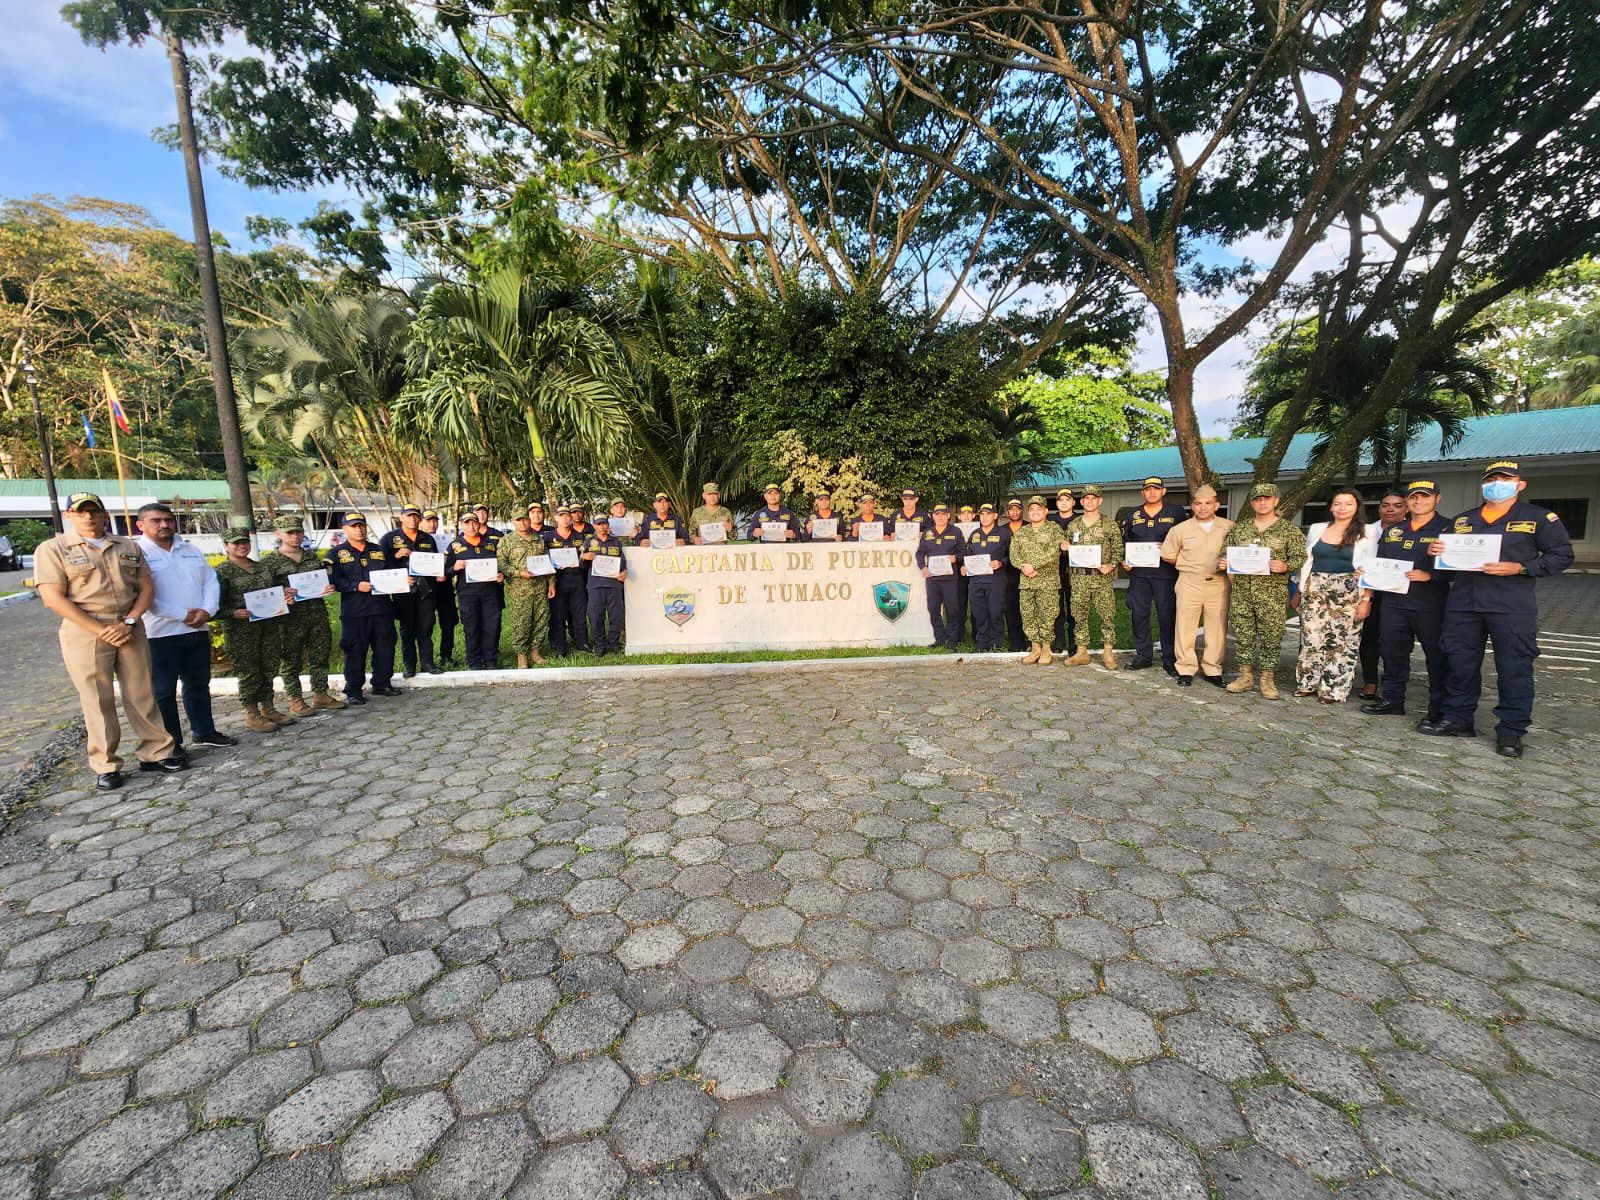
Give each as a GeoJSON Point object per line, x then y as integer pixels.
{"type": "Point", "coordinates": [779, 597]}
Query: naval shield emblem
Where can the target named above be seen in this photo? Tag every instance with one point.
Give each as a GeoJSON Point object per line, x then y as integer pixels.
{"type": "Point", "coordinates": [677, 605]}
{"type": "Point", "coordinates": [892, 598]}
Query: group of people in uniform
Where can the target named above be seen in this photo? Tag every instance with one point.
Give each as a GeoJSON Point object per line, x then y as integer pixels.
{"type": "Point", "coordinates": [1015, 581]}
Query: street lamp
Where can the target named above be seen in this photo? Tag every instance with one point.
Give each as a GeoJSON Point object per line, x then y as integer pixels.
{"type": "Point", "coordinates": [44, 439]}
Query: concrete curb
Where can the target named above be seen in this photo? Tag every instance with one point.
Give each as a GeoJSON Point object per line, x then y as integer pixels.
{"type": "Point", "coordinates": [21, 597]}
{"type": "Point", "coordinates": [229, 686]}
{"type": "Point", "coordinates": [14, 792]}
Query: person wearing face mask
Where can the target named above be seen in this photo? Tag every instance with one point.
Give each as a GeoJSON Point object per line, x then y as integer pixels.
{"type": "Point", "coordinates": [1497, 603]}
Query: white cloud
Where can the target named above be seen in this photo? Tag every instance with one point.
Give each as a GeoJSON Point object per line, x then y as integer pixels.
{"type": "Point", "coordinates": [129, 87]}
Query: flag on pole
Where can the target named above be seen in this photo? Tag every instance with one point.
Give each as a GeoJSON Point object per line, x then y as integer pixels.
{"type": "Point", "coordinates": [117, 415]}
{"type": "Point", "coordinates": [88, 429]}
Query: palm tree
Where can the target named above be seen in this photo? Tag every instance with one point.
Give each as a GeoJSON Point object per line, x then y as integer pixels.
{"type": "Point", "coordinates": [518, 379]}
{"type": "Point", "coordinates": [1018, 453]}
{"type": "Point", "coordinates": [326, 378]}
{"type": "Point", "coordinates": [1575, 347]}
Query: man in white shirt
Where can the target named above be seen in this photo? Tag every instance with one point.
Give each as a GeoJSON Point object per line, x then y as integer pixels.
{"type": "Point", "coordinates": [177, 626]}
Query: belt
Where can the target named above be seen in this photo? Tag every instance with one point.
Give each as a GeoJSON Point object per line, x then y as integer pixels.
{"type": "Point", "coordinates": [107, 618]}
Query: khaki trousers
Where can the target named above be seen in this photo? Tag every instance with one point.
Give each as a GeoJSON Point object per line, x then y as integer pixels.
{"type": "Point", "coordinates": [92, 666]}
{"type": "Point", "coordinates": [1202, 599]}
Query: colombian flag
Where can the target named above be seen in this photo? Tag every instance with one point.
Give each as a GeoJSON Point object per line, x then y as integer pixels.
{"type": "Point", "coordinates": [117, 415]}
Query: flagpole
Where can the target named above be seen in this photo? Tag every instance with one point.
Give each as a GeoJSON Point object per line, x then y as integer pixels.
{"type": "Point", "coordinates": [116, 448]}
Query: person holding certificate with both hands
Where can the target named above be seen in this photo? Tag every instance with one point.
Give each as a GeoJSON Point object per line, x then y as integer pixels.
{"type": "Point", "coordinates": [251, 630]}
{"type": "Point", "coordinates": [1258, 554]}
{"type": "Point", "coordinates": [1332, 603]}
{"type": "Point", "coordinates": [1412, 610]}
{"type": "Point", "coordinates": [1493, 554]}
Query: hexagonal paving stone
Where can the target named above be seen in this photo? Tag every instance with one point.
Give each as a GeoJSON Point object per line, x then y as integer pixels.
{"type": "Point", "coordinates": [661, 1123]}
{"type": "Point", "coordinates": [923, 1115]}
{"type": "Point", "coordinates": [662, 1042]}
{"type": "Point", "coordinates": [1019, 1014]}
{"type": "Point", "coordinates": [396, 1139]}
{"type": "Point", "coordinates": [322, 1111]}
{"type": "Point", "coordinates": [758, 1150]}
{"type": "Point", "coordinates": [578, 1098]}
{"type": "Point", "coordinates": [1112, 1028]}
{"type": "Point", "coordinates": [742, 1062]}
{"type": "Point", "coordinates": [398, 976]}
{"type": "Point", "coordinates": [856, 1166]}
{"type": "Point", "coordinates": [652, 946]}
{"type": "Point", "coordinates": [586, 1025]}
{"type": "Point", "coordinates": [501, 1075]}
{"type": "Point", "coordinates": [1037, 1147]}
{"type": "Point", "coordinates": [830, 1087]}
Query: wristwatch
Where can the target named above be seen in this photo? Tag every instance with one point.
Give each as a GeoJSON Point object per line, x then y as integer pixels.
{"type": "Point", "coordinates": [130, 622]}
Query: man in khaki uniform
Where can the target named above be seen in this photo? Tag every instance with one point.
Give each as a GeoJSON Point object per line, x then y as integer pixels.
{"type": "Point", "coordinates": [1194, 546]}
{"type": "Point", "coordinates": [100, 586]}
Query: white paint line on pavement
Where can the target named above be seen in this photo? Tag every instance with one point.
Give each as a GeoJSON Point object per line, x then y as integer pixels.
{"type": "Point", "coordinates": [1581, 637]}
{"type": "Point", "coordinates": [1569, 658]}
{"type": "Point", "coordinates": [20, 598]}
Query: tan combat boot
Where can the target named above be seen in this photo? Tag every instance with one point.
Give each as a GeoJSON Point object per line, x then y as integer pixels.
{"type": "Point", "coordinates": [1108, 658]}
{"type": "Point", "coordinates": [537, 659]}
{"type": "Point", "coordinates": [254, 721]}
{"type": "Point", "coordinates": [299, 708]}
{"type": "Point", "coordinates": [1045, 657]}
{"type": "Point", "coordinates": [522, 662]}
{"type": "Point", "coordinates": [326, 700]}
{"type": "Point", "coordinates": [1080, 657]}
{"type": "Point", "coordinates": [1246, 681]}
{"type": "Point", "coordinates": [1033, 654]}
{"type": "Point", "coordinates": [1269, 685]}
{"type": "Point", "coordinates": [273, 715]}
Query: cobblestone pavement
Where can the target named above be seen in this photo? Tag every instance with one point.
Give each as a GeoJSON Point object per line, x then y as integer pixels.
{"type": "Point", "coordinates": [814, 936]}
{"type": "Point", "coordinates": [37, 698]}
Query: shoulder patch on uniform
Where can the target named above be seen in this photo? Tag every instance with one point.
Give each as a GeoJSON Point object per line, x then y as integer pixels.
{"type": "Point", "coordinates": [345, 556]}
{"type": "Point", "coordinates": [1463, 525]}
{"type": "Point", "coordinates": [1550, 516]}
{"type": "Point", "coordinates": [1522, 526]}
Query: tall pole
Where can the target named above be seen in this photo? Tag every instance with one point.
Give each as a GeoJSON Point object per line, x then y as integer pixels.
{"type": "Point", "coordinates": [239, 504]}
{"type": "Point", "coordinates": [45, 457]}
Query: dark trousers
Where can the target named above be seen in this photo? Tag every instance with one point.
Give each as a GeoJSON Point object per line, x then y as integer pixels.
{"type": "Point", "coordinates": [605, 619]}
{"type": "Point", "coordinates": [1014, 637]}
{"type": "Point", "coordinates": [480, 625]}
{"type": "Point", "coordinates": [416, 628]}
{"type": "Point", "coordinates": [1065, 638]}
{"type": "Point", "coordinates": [942, 591]}
{"type": "Point", "coordinates": [986, 602]}
{"type": "Point", "coordinates": [961, 609]}
{"type": "Point", "coordinates": [1398, 629]}
{"type": "Point", "coordinates": [1145, 593]}
{"type": "Point", "coordinates": [357, 636]}
{"type": "Point", "coordinates": [444, 607]}
{"type": "Point", "coordinates": [568, 629]}
{"type": "Point", "coordinates": [1372, 652]}
{"type": "Point", "coordinates": [1516, 645]}
{"type": "Point", "coordinates": [183, 658]}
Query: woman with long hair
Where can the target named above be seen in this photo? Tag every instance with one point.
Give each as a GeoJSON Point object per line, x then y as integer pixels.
{"type": "Point", "coordinates": [1332, 604]}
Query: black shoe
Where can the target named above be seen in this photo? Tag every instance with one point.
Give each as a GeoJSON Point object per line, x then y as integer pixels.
{"type": "Point", "coordinates": [1443, 728]}
{"type": "Point", "coordinates": [354, 698]}
{"type": "Point", "coordinates": [1383, 708]}
{"type": "Point", "coordinates": [1215, 681]}
{"type": "Point", "coordinates": [170, 766]}
{"type": "Point", "coordinates": [109, 782]}
{"type": "Point", "coordinates": [433, 669]}
{"type": "Point", "coordinates": [387, 690]}
{"type": "Point", "coordinates": [216, 739]}
{"type": "Point", "coordinates": [1185, 680]}
{"type": "Point", "coordinates": [410, 673]}
{"type": "Point", "coordinates": [1170, 669]}
{"type": "Point", "coordinates": [1139, 664]}
{"type": "Point", "coordinates": [1509, 745]}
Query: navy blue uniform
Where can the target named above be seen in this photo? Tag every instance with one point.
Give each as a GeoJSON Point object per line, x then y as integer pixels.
{"type": "Point", "coordinates": [1013, 591]}
{"type": "Point", "coordinates": [1416, 616]}
{"type": "Point", "coordinates": [1065, 638]}
{"type": "Point", "coordinates": [920, 516]}
{"type": "Point", "coordinates": [782, 513]}
{"type": "Point", "coordinates": [942, 589]}
{"type": "Point", "coordinates": [605, 597]}
{"type": "Point", "coordinates": [840, 528]}
{"type": "Point", "coordinates": [366, 619]}
{"type": "Point", "coordinates": [676, 524]}
{"type": "Point", "coordinates": [1153, 586]}
{"type": "Point", "coordinates": [986, 594]}
{"type": "Point", "coordinates": [415, 609]}
{"type": "Point", "coordinates": [569, 628]}
{"type": "Point", "coordinates": [479, 603]}
{"type": "Point", "coordinates": [1502, 609]}
{"type": "Point", "coordinates": [878, 518]}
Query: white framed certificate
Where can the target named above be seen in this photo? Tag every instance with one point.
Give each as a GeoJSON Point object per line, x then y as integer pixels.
{"type": "Point", "coordinates": [1468, 551]}
{"type": "Point", "coordinates": [1142, 554]}
{"type": "Point", "coordinates": [941, 564]}
{"type": "Point", "coordinates": [482, 570]}
{"type": "Point", "coordinates": [265, 603]}
{"type": "Point", "coordinates": [425, 562]}
{"type": "Point", "coordinates": [774, 531]}
{"type": "Point", "coordinates": [1386, 575]}
{"type": "Point", "coordinates": [607, 566]}
{"type": "Point", "coordinates": [394, 581]}
{"type": "Point", "coordinates": [825, 527]}
{"type": "Point", "coordinates": [564, 556]}
{"type": "Point", "coordinates": [907, 531]}
{"type": "Point", "coordinates": [308, 585]}
{"type": "Point", "coordinates": [1083, 556]}
{"type": "Point", "coordinates": [978, 564]}
{"type": "Point", "coordinates": [869, 531]}
{"type": "Point", "coordinates": [1249, 560]}
{"type": "Point", "coordinates": [713, 533]}
{"type": "Point", "coordinates": [966, 528]}
{"type": "Point", "coordinates": [663, 539]}
{"type": "Point", "coordinates": [624, 526]}
{"type": "Point", "coordinates": [539, 564]}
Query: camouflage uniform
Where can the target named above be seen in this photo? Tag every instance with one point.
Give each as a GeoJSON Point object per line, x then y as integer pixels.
{"type": "Point", "coordinates": [305, 636]}
{"type": "Point", "coordinates": [1259, 604]}
{"type": "Point", "coordinates": [1041, 595]}
{"type": "Point", "coordinates": [254, 647]}
{"type": "Point", "coordinates": [710, 514]}
{"type": "Point", "coordinates": [527, 609]}
{"type": "Point", "coordinates": [1091, 590]}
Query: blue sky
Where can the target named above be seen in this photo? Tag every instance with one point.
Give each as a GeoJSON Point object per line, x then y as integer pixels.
{"type": "Point", "coordinates": [78, 121]}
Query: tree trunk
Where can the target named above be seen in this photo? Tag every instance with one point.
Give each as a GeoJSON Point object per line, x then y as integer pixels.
{"type": "Point", "coordinates": [1180, 396]}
